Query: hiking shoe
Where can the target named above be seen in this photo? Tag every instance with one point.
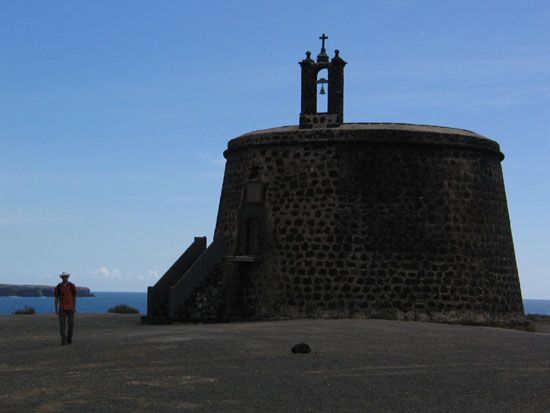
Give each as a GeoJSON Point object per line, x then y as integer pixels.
{"type": "Point", "coordinates": [63, 342]}
{"type": "Point", "coordinates": [69, 341]}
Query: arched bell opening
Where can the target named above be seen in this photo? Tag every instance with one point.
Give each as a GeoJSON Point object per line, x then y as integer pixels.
{"type": "Point", "coordinates": [322, 91]}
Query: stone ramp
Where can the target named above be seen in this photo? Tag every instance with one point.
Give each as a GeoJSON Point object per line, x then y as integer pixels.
{"type": "Point", "coordinates": [116, 364]}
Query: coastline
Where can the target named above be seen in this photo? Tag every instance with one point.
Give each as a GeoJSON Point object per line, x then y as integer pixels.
{"type": "Point", "coordinates": [98, 304]}
{"type": "Point", "coordinates": [106, 299]}
{"type": "Point", "coordinates": [30, 290]}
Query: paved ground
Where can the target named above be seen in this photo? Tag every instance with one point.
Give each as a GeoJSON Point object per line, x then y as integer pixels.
{"type": "Point", "coordinates": [116, 364]}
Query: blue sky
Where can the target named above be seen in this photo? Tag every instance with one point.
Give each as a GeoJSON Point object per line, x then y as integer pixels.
{"type": "Point", "coordinates": [114, 115]}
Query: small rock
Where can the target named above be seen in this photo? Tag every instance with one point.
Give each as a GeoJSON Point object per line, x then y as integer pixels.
{"type": "Point", "coordinates": [301, 348]}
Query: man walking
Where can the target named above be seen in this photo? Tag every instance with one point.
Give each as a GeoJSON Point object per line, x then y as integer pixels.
{"type": "Point", "coordinates": [65, 307]}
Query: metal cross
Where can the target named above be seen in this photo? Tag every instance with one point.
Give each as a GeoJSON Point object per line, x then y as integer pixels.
{"type": "Point", "coordinates": [323, 38]}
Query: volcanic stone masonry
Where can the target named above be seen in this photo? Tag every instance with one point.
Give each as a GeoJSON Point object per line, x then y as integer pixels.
{"type": "Point", "coordinates": [354, 220]}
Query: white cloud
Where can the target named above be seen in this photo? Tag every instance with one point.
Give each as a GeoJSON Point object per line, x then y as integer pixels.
{"type": "Point", "coordinates": [106, 273]}
{"type": "Point", "coordinates": [153, 274]}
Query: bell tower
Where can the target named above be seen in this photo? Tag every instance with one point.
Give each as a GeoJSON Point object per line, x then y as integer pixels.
{"type": "Point", "coordinates": [334, 117]}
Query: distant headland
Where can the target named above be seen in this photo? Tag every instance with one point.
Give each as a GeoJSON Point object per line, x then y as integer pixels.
{"type": "Point", "coordinates": [9, 290]}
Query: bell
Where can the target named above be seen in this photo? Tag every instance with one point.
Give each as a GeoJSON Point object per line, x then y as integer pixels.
{"type": "Point", "coordinates": [322, 92]}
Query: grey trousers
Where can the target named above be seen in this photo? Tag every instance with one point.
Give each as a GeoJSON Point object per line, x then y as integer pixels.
{"type": "Point", "coordinates": [66, 317]}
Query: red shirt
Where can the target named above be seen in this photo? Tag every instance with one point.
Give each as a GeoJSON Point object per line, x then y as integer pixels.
{"type": "Point", "coordinates": [67, 295]}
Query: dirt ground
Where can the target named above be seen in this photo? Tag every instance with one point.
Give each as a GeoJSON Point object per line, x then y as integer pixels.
{"type": "Point", "coordinates": [116, 364]}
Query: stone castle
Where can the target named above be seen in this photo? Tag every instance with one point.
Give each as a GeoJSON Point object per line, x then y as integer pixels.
{"type": "Point", "coordinates": [334, 219]}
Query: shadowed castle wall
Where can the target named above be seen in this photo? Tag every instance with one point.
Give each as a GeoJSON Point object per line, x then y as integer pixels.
{"type": "Point", "coordinates": [368, 219]}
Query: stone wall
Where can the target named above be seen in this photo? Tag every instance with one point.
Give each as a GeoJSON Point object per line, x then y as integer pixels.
{"type": "Point", "coordinates": [366, 219]}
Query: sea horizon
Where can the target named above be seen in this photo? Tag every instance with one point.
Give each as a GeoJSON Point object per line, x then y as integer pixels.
{"type": "Point", "coordinates": [103, 300]}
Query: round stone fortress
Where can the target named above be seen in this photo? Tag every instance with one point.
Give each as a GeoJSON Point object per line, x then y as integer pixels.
{"type": "Point", "coordinates": [334, 219]}
{"type": "Point", "coordinates": [369, 219]}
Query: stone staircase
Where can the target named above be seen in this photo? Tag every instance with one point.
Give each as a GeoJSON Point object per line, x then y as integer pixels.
{"type": "Point", "coordinates": [166, 300]}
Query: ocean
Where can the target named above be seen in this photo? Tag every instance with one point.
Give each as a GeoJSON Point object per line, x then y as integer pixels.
{"type": "Point", "coordinates": [105, 300]}
{"type": "Point", "coordinates": [98, 304]}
